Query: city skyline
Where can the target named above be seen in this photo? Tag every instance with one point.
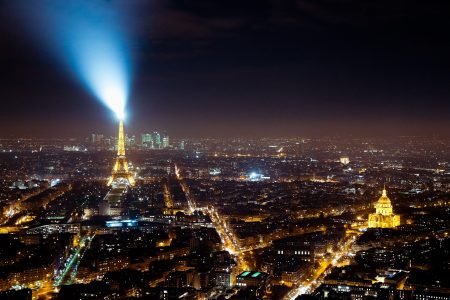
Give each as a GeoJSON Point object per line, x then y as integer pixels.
{"type": "Point", "coordinates": [212, 150]}
{"type": "Point", "coordinates": [270, 218]}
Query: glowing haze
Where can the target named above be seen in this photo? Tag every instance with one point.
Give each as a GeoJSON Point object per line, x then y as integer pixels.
{"type": "Point", "coordinates": [89, 38]}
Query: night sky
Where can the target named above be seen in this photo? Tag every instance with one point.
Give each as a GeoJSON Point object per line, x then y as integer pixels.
{"type": "Point", "coordinates": [244, 68]}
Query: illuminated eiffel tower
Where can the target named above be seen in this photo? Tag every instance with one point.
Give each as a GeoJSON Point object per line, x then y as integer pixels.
{"type": "Point", "coordinates": [121, 176]}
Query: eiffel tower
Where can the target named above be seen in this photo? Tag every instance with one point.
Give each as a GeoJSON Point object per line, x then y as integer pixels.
{"type": "Point", "coordinates": [121, 176]}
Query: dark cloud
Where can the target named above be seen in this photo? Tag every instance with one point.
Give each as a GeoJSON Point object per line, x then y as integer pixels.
{"type": "Point", "coordinates": [257, 67]}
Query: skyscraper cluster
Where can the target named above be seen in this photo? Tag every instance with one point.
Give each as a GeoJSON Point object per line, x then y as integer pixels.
{"type": "Point", "coordinates": [151, 140]}
{"type": "Point", "coordinates": [155, 140]}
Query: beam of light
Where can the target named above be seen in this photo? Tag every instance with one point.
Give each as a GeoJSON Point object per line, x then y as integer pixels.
{"type": "Point", "coordinates": [88, 37]}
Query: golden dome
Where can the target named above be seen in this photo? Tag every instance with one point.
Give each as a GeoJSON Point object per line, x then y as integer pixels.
{"type": "Point", "coordinates": [383, 216]}
{"type": "Point", "coordinates": [384, 199]}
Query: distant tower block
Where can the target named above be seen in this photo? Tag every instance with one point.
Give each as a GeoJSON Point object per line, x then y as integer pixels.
{"type": "Point", "coordinates": [344, 160]}
{"type": "Point", "coordinates": [383, 217]}
{"type": "Point", "coordinates": [121, 176]}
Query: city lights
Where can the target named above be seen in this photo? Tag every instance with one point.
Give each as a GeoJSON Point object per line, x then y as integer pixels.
{"type": "Point", "coordinates": [264, 135]}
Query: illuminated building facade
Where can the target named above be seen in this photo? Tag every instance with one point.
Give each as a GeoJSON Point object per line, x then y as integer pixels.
{"type": "Point", "coordinates": [344, 160]}
{"type": "Point", "coordinates": [383, 217]}
{"type": "Point", "coordinates": [155, 140]}
{"type": "Point", "coordinates": [147, 140]}
{"type": "Point", "coordinates": [165, 142]}
{"type": "Point", "coordinates": [250, 278]}
{"type": "Point", "coordinates": [121, 176]}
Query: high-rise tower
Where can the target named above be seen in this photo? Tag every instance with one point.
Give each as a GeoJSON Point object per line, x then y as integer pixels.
{"type": "Point", "coordinates": [121, 176]}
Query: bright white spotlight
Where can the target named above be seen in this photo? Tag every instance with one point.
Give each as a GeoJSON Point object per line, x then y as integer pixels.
{"type": "Point", "coordinates": [120, 115]}
{"type": "Point", "coordinates": [114, 98]}
{"type": "Point", "coordinates": [90, 38]}
{"type": "Point", "coordinates": [102, 65]}
{"type": "Point", "coordinates": [108, 83]}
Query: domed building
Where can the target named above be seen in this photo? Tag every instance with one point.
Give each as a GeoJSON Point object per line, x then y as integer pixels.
{"type": "Point", "coordinates": [383, 217]}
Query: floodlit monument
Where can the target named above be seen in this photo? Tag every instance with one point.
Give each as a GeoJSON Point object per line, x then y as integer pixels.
{"type": "Point", "coordinates": [121, 176]}
{"type": "Point", "coordinates": [384, 216]}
